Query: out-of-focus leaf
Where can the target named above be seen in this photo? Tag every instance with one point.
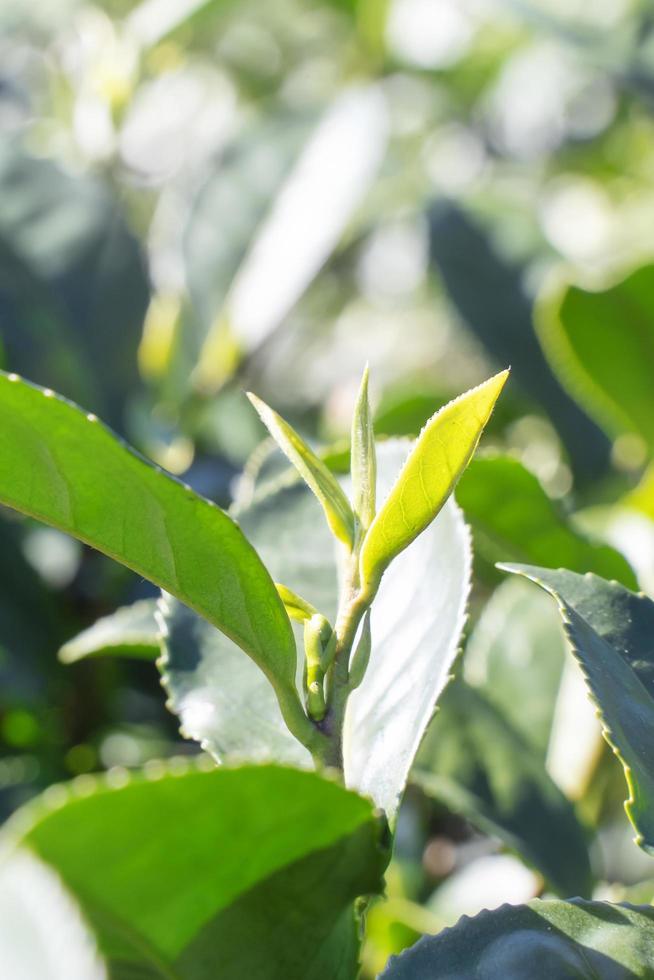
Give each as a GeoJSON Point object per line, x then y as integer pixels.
{"type": "Point", "coordinates": [499, 311]}
{"type": "Point", "coordinates": [312, 470]}
{"type": "Point", "coordinates": [293, 220]}
{"type": "Point", "coordinates": [515, 656]}
{"type": "Point", "coordinates": [73, 284]}
{"type": "Point", "coordinates": [441, 453]}
{"type": "Point", "coordinates": [475, 762]}
{"type": "Point", "coordinates": [167, 874]}
{"type": "Point", "coordinates": [515, 519]}
{"type": "Point", "coordinates": [610, 630]}
{"type": "Point", "coordinates": [42, 932]}
{"type": "Point", "coordinates": [30, 627]}
{"type": "Point", "coordinates": [540, 940]}
{"type": "Point", "coordinates": [602, 346]}
{"type": "Point", "coordinates": [54, 462]}
{"type": "Point", "coordinates": [416, 624]}
{"type": "Point", "coordinates": [131, 631]}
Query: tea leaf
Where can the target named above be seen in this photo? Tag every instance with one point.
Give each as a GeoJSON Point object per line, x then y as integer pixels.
{"type": "Point", "coordinates": [312, 470]}
{"type": "Point", "coordinates": [610, 631]}
{"type": "Point", "coordinates": [363, 459]}
{"type": "Point", "coordinates": [131, 631]}
{"type": "Point", "coordinates": [67, 469]}
{"type": "Point", "coordinates": [439, 456]}
{"type": "Point", "coordinates": [540, 940]}
{"type": "Point", "coordinates": [166, 873]}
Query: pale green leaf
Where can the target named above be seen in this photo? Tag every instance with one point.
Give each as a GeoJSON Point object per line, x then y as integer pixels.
{"type": "Point", "coordinates": [296, 607]}
{"type": "Point", "coordinates": [131, 631]}
{"type": "Point", "coordinates": [573, 940]}
{"type": "Point", "coordinates": [363, 465]}
{"type": "Point", "coordinates": [439, 456]}
{"type": "Point", "coordinates": [196, 869]}
{"type": "Point", "coordinates": [312, 470]}
{"type": "Point", "coordinates": [610, 630]}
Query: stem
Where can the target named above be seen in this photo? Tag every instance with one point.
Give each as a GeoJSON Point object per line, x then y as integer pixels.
{"type": "Point", "coordinates": [352, 607]}
{"type": "Point", "coordinates": [297, 722]}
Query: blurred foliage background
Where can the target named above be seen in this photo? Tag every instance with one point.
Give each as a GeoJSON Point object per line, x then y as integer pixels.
{"type": "Point", "coordinates": [199, 196]}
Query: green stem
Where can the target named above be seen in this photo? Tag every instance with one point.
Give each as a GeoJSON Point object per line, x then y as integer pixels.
{"type": "Point", "coordinates": [297, 722]}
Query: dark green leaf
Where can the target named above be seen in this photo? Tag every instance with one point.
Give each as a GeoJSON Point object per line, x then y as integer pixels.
{"type": "Point", "coordinates": [73, 284]}
{"type": "Point", "coordinates": [476, 763]}
{"type": "Point", "coordinates": [516, 520]}
{"type": "Point", "coordinates": [541, 941]}
{"type": "Point", "coordinates": [128, 632]}
{"type": "Point", "coordinates": [200, 869]}
{"type": "Point", "coordinates": [610, 630]}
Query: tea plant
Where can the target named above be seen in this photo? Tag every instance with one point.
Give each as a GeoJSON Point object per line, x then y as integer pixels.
{"type": "Point", "coordinates": [310, 668]}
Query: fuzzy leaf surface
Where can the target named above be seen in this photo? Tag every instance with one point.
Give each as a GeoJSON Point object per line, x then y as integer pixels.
{"type": "Point", "coordinates": [610, 631]}
{"type": "Point", "coordinates": [440, 454]}
{"type": "Point", "coordinates": [197, 869]}
{"type": "Point", "coordinates": [475, 762]}
{"type": "Point", "coordinates": [540, 940]}
{"type": "Point", "coordinates": [55, 465]}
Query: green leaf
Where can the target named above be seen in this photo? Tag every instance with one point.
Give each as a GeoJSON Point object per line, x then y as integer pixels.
{"type": "Point", "coordinates": [67, 469]}
{"type": "Point", "coordinates": [475, 762]}
{"type": "Point", "coordinates": [363, 460]}
{"type": "Point", "coordinates": [194, 869]}
{"type": "Point", "coordinates": [221, 697]}
{"type": "Point", "coordinates": [42, 932]}
{"type": "Point", "coordinates": [610, 630]}
{"type": "Point", "coordinates": [312, 470]}
{"type": "Point", "coordinates": [439, 456]}
{"type": "Point", "coordinates": [602, 345]}
{"type": "Point", "coordinates": [540, 940]}
{"type": "Point", "coordinates": [514, 519]}
{"type": "Point", "coordinates": [296, 607]}
{"type": "Point", "coordinates": [131, 631]}
{"type": "Point", "coordinates": [416, 624]}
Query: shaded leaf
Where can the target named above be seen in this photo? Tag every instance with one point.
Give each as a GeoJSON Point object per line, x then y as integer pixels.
{"type": "Point", "coordinates": [167, 874]}
{"type": "Point", "coordinates": [516, 520]}
{"type": "Point", "coordinates": [131, 631]}
{"type": "Point", "coordinates": [476, 763]}
{"type": "Point", "coordinates": [73, 284]}
{"type": "Point", "coordinates": [430, 472]}
{"type": "Point", "coordinates": [540, 940]}
{"type": "Point", "coordinates": [610, 630]}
